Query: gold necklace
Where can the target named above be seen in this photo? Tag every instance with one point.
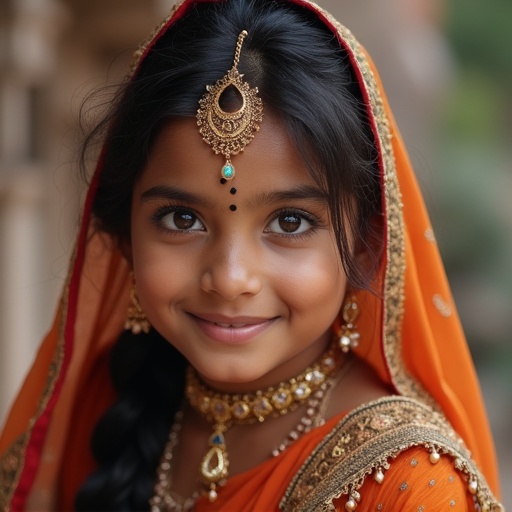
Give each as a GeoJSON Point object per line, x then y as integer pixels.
{"type": "Point", "coordinates": [225, 409]}
{"type": "Point", "coordinates": [165, 500]}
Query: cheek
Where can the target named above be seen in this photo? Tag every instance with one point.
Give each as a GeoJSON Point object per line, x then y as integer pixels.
{"type": "Point", "coordinates": [159, 270]}
{"type": "Point", "coordinates": [315, 282]}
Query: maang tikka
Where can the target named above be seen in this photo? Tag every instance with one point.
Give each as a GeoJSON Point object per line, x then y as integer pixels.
{"type": "Point", "coordinates": [229, 132]}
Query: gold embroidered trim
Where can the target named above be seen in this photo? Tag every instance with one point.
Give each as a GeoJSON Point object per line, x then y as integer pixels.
{"type": "Point", "coordinates": [10, 465]}
{"type": "Point", "coordinates": [144, 45]}
{"type": "Point", "coordinates": [364, 441]}
{"type": "Point", "coordinates": [394, 281]}
{"type": "Point", "coordinates": [12, 461]}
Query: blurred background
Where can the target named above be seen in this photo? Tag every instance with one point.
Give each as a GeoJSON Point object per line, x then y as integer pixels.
{"type": "Point", "coordinates": [446, 66]}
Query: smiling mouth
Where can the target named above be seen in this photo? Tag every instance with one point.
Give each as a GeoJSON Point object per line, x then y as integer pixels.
{"type": "Point", "coordinates": [238, 330]}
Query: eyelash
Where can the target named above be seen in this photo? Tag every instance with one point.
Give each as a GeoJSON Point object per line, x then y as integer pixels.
{"type": "Point", "coordinates": [308, 217]}
{"type": "Point", "coordinates": [314, 222]}
{"type": "Point", "coordinates": [163, 211]}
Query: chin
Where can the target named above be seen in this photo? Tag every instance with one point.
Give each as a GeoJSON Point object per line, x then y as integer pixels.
{"type": "Point", "coordinates": [232, 378]}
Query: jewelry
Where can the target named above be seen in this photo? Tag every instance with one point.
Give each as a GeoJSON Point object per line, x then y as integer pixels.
{"type": "Point", "coordinates": [164, 500]}
{"type": "Point", "coordinates": [229, 132]}
{"type": "Point", "coordinates": [315, 411]}
{"type": "Point", "coordinates": [311, 419]}
{"type": "Point", "coordinates": [223, 410]}
{"type": "Point", "coordinates": [136, 320]}
{"type": "Point", "coordinates": [348, 336]}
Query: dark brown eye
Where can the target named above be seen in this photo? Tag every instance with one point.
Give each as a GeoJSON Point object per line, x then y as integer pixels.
{"type": "Point", "coordinates": [184, 220]}
{"type": "Point", "coordinates": [289, 222]}
{"type": "Point", "coordinates": [181, 220]}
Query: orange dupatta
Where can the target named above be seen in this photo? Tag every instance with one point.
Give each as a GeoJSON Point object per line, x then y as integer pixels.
{"type": "Point", "coordinates": [411, 335]}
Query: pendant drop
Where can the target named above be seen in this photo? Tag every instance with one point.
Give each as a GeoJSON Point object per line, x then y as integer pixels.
{"type": "Point", "coordinates": [228, 171]}
{"type": "Point", "coordinates": [212, 494]}
{"type": "Point", "coordinates": [214, 466]}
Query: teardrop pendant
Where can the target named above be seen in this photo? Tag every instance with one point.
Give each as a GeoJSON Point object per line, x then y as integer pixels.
{"type": "Point", "coordinates": [214, 466]}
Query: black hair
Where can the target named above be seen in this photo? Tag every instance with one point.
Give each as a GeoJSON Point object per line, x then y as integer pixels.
{"type": "Point", "coordinates": [303, 76]}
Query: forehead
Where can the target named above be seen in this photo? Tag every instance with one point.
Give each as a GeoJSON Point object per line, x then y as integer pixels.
{"type": "Point", "coordinates": [180, 156]}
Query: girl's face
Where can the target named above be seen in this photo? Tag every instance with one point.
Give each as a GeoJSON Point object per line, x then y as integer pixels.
{"type": "Point", "coordinates": [248, 296]}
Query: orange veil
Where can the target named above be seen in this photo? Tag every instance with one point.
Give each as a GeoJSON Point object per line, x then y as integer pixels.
{"type": "Point", "coordinates": [410, 334]}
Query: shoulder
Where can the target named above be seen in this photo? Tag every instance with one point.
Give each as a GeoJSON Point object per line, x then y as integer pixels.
{"type": "Point", "coordinates": [396, 447]}
{"type": "Point", "coordinates": [411, 482]}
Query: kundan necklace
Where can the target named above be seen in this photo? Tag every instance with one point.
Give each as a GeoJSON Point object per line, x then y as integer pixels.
{"type": "Point", "coordinates": [223, 410]}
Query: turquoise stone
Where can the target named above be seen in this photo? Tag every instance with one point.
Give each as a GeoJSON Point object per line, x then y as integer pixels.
{"type": "Point", "coordinates": [228, 172]}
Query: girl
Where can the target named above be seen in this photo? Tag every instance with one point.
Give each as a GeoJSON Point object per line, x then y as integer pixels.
{"type": "Point", "coordinates": [290, 341]}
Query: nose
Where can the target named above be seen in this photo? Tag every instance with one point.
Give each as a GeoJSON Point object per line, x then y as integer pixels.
{"type": "Point", "coordinates": [230, 270]}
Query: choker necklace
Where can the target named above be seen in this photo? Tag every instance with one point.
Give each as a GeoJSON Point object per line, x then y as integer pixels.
{"type": "Point", "coordinates": [223, 410]}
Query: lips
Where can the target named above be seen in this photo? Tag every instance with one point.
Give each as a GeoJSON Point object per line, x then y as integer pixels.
{"type": "Point", "coordinates": [231, 330]}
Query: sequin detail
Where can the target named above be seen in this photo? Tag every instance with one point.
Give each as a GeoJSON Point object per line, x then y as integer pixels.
{"type": "Point", "coordinates": [429, 235]}
{"type": "Point", "coordinates": [442, 306]}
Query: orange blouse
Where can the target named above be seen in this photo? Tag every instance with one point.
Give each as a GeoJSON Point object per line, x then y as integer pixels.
{"type": "Point", "coordinates": [411, 484]}
{"type": "Point", "coordinates": [414, 484]}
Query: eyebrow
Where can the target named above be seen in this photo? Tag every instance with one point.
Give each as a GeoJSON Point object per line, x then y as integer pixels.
{"type": "Point", "coordinates": [301, 192]}
{"type": "Point", "coordinates": [172, 193]}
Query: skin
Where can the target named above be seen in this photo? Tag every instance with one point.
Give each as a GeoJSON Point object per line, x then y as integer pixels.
{"type": "Point", "coordinates": [281, 271]}
{"type": "Point", "coordinates": [271, 268]}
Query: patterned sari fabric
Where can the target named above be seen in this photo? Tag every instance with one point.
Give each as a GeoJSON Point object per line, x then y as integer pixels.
{"type": "Point", "coordinates": [427, 448]}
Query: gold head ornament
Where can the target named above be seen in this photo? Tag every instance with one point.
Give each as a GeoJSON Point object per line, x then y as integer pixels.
{"type": "Point", "coordinates": [229, 132]}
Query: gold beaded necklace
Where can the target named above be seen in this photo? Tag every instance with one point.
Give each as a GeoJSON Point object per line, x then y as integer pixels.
{"type": "Point", "coordinates": [223, 410]}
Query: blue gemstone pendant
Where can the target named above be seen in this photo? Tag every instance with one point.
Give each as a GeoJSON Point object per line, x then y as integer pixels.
{"type": "Point", "coordinates": [228, 171]}
{"type": "Point", "coordinates": [214, 466]}
{"type": "Point", "coordinates": [217, 439]}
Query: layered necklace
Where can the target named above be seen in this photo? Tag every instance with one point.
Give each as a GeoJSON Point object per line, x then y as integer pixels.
{"type": "Point", "coordinates": [224, 410]}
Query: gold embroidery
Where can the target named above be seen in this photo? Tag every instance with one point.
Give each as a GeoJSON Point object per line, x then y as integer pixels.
{"type": "Point", "coordinates": [12, 462]}
{"type": "Point", "coordinates": [143, 47]}
{"type": "Point", "coordinates": [11, 465]}
{"type": "Point", "coordinates": [394, 280]}
{"type": "Point", "coordinates": [442, 306]}
{"type": "Point", "coordinates": [324, 478]}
